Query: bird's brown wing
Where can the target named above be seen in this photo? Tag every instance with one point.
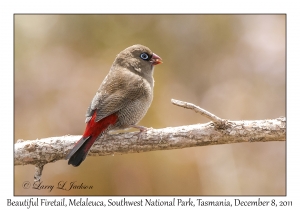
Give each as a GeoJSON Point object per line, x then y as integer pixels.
{"type": "Point", "coordinates": [116, 91]}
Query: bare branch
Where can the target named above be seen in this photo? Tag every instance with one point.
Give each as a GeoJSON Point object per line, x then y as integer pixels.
{"type": "Point", "coordinates": [197, 109]}
{"type": "Point", "coordinates": [43, 151]}
{"type": "Point", "coordinates": [56, 148]}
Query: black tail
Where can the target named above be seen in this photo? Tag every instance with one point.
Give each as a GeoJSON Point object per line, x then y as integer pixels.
{"type": "Point", "coordinates": [79, 152]}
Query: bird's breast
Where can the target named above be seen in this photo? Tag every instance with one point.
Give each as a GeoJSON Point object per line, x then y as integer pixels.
{"type": "Point", "coordinates": [136, 108]}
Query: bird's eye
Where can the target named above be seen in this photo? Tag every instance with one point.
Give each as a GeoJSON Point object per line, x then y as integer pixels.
{"type": "Point", "coordinates": [144, 56]}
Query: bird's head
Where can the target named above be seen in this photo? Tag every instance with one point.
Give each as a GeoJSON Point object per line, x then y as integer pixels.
{"type": "Point", "coordinates": [138, 58]}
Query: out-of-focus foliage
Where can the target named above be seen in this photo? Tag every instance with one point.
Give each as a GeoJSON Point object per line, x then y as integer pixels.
{"type": "Point", "coordinates": [231, 65]}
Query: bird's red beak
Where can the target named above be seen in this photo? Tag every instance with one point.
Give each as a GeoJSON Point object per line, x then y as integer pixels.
{"type": "Point", "coordinates": [155, 59]}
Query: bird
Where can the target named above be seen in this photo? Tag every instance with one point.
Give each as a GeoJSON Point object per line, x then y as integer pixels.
{"type": "Point", "coordinates": [121, 101]}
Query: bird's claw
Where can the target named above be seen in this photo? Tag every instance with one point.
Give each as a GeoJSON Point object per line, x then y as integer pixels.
{"type": "Point", "coordinates": [142, 130]}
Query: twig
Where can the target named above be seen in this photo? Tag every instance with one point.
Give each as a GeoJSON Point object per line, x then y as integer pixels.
{"type": "Point", "coordinates": [38, 172]}
{"type": "Point", "coordinates": [197, 109]}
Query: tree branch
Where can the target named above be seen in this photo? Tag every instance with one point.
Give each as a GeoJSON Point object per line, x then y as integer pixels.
{"type": "Point", "coordinates": [197, 109]}
{"type": "Point", "coordinates": [47, 150]}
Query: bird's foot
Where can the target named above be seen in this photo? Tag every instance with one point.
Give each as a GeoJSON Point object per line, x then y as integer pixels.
{"type": "Point", "coordinates": [142, 130]}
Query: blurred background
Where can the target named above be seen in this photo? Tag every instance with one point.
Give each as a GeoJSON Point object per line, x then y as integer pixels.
{"type": "Point", "coordinates": [231, 65]}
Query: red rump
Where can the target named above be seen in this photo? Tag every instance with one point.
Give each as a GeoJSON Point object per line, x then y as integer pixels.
{"type": "Point", "coordinates": [92, 131]}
